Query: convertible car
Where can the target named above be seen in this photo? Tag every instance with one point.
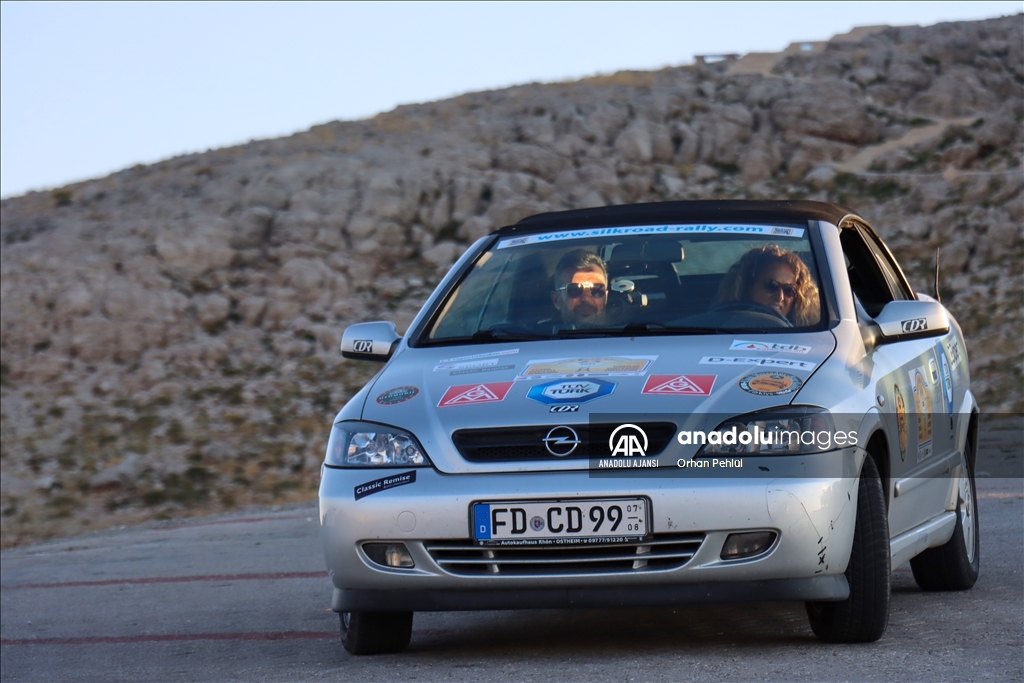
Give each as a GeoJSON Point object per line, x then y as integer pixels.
{"type": "Point", "coordinates": [650, 405]}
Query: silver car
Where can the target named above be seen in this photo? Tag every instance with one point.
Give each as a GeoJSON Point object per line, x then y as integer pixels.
{"type": "Point", "coordinates": [656, 404]}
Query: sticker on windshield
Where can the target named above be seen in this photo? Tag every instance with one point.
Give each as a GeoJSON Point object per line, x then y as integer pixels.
{"type": "Point", "coordinates": [744, 345]}
{"type": "Point", "coordinates": [397, 395]}
{"type": "Point", "coordinates": [466, 394]}
{"type": "Point", "coordinates": [773, 230]}
{"type": "Point", "coordinates": [570, 391]}
{"type": "Point", "coordinates": [554, 368]}
{"type": "Point", "coordinates": [679, 385]}
{"type": "Point", "coordinates": [771, 384]}
{"type": "Point", "coordinates": [757, 360]}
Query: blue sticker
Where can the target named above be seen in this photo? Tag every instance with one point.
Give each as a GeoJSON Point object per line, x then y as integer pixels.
{"type": "Point", "coordinates": [482, 521]}
{"type": "Point", "coordinates": [570, 391]}
{"type": "Point", "coordinates": [947, 379]}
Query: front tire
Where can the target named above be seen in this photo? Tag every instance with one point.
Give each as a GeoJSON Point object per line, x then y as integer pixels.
{"type": "Point", "coordinates": [374, 633]}
{"type": "Point", "coordinates": [864, 615]}
{"type": "Point", "coordinates": [955, 565]}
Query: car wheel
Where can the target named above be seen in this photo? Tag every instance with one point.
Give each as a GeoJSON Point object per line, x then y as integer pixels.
{"type": "Point", "coordinates": [374, 633]}
{"type": "Point", "coordinates": [954, 566]}
{"type": "Point", "coordinates": [862, 617]}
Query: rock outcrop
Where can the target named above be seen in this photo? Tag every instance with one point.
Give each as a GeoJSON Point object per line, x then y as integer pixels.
{"type": "Point", "coordinates": [169, 333]}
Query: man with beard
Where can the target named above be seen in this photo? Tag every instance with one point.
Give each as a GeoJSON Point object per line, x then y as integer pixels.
{"type": "Point", "coordinates": [580, 290]}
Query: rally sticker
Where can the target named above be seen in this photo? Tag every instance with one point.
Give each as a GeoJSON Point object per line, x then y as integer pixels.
{"type": "Point", "coordinates": [757, 360]}
{"type": "Point", "coordinates": [397, 395]}
{"type": "Point", "coordinates": [570, 391]}
{"type": "Point", "coordinates": [679, 385]}
{"type": "Point", "coordinates": [465, 394]}
{"type": "Point", "coordinates": [954, 353]}
{"type": "Point", "coordinates": [947, 380]}
{"type": "Point", "coordinates": [553, 368]}
{"type": "Point", "coordinates": [385, 483]}
{"type": "Point", "coordinates": [479, 360]}
{"type": "Point", "coordinates": [744, 345]}
{"type": "Point", "coordinates": [923, 405]}
{"type": "Point", "coordinates": [771, 384]}
{"type": "Point", "coordinates": [774, 230]}
{"type": "Point", "coordinates": [489, 368]}
{"type": "Point", "coordinates": [901, 419]}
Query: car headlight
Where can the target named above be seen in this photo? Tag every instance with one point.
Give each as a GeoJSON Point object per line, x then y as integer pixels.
{"type": "Point", "coordinates": [793, 430]}
{"type": "Point", "coordinates": [365, 444]}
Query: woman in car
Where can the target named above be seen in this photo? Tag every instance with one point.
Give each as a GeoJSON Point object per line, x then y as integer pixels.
{"type": "Point", "coordinates": [774, 278]}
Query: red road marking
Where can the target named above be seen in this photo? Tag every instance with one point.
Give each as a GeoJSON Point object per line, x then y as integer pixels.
{"type": "Point", "coordinates": [173, 579]}
{"type": "Point", "coordinates": [101, 640]}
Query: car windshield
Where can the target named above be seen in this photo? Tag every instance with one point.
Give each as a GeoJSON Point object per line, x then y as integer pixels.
{"type": "Point", "coordinates": [628, 281]}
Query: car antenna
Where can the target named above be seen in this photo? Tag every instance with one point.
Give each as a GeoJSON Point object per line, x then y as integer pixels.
{"type": "Point", "coordinates": [935, 283]}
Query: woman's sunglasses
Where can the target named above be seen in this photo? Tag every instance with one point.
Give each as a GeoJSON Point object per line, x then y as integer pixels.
{"type": "Point", "coordinates": [574, 290]}
{"type": "Point", "coordinates": [773, 287]}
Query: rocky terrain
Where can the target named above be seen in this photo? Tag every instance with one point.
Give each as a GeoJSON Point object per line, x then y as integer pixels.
{"type": "Point", "coordinates": [169, 333]}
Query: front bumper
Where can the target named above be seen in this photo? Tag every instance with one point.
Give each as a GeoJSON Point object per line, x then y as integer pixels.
{"type": "Point", "coordinates": [808, 501]}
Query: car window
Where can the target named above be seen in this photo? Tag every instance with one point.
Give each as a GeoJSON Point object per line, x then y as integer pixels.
{"type": "Point", "coordinates": [660, 278]}
{"type": "Point", "coordinates": [874, 277]}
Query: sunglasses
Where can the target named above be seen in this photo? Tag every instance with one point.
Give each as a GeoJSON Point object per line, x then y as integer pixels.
{"type": "Point", "coordinates": [773, 287]}
{"type": "Point", "coordinates": [574, 290]}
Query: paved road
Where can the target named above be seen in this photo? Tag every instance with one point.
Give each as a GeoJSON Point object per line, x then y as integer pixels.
{"type": "Point", "coordinates": [245, 597]}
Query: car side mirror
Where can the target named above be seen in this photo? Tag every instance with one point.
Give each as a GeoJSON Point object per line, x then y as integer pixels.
{"type": "Point", "coordinates": [370, 341]}
{"type": "Point", "coordinates": [903, 320]}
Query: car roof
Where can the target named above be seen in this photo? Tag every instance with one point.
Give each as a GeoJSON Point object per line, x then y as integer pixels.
{"type": "Point", "coordinates": [703, 211]}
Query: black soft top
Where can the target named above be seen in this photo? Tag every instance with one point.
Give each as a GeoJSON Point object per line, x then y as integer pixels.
{"type": "Point", "coordinates": [704, 211]}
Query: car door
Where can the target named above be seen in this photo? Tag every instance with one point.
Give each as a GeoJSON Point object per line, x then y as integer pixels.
{"type": "Point", "coordinates": [909, 387]}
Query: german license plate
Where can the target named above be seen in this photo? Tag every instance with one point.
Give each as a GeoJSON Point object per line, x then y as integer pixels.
{"type": "Point", "coordinates": [563, 522]}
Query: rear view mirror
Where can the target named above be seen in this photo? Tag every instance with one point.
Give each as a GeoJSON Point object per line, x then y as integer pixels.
{"type": "Point", "coordinates": [903, 320]}
{"type": "Point", "coordinates": [370, 341]}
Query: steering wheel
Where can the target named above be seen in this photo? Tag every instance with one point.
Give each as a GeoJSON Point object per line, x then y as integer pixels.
{"type": "Point", "coordinates": [750, 307]}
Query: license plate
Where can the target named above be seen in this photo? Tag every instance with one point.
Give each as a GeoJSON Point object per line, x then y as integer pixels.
{"type": "Point", "coordinates": [563, 522]}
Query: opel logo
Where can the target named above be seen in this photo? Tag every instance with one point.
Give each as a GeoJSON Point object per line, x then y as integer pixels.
{"type": "Point", "coordinates": [561, 441]}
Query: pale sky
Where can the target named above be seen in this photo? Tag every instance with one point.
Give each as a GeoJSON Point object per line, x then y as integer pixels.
{"type": "Point", "coordinates": [90, 88]}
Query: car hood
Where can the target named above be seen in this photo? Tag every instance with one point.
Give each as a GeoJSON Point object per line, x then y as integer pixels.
{"type": "Point", "coordinates": [691, 380]}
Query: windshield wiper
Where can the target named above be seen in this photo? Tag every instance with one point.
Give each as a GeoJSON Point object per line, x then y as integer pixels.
{"type": "Point", "coordinates": [503, 334]}
{"type": "Point", "coordinates": [637, 329]}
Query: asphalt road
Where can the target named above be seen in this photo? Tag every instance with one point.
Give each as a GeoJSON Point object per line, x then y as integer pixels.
{"type": "Point", "coordinates": [246, 597]}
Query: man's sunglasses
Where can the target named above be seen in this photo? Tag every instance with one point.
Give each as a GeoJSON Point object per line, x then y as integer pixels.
{"type": "Point", "coordinates": [773, 287]}
{"type": "Point", "coordinates": [574, 290]}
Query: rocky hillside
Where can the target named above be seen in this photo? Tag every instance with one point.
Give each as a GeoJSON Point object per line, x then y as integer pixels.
{"type": "Point", "coordinates": [169, 333]}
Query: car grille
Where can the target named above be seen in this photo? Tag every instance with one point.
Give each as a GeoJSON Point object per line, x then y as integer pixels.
{"type": "Point", "coordinates": [500, 444]}
{"type": "Point", "coordinates": [661, 552]}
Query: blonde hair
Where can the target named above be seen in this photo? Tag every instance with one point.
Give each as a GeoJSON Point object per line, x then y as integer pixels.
{"type": "Point", "coordinates": [806, 309]}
